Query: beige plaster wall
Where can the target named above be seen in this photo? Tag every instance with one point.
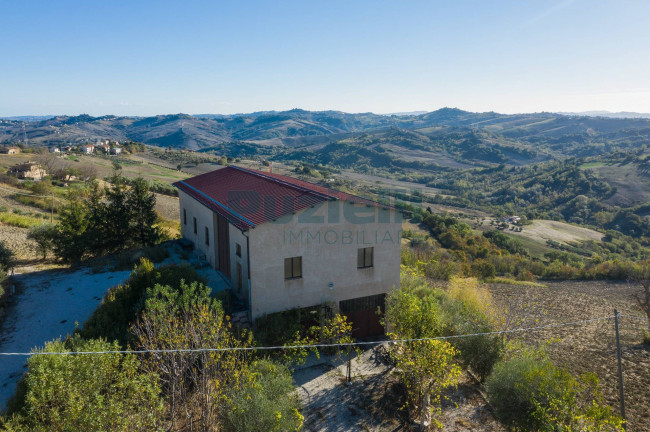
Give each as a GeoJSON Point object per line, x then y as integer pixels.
{"type": "Point", "coordinates": [328, 245]}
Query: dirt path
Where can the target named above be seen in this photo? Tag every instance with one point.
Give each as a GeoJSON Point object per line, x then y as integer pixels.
{"type": "Point", "coordinates": [46, 307]}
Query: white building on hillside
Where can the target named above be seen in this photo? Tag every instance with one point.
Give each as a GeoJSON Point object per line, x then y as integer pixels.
{"type": "Point", "coordinates": [285, 243]}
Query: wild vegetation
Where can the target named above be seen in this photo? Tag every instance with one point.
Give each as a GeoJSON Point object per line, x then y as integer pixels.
{"type": "Point", "coordinates": [535, 166]}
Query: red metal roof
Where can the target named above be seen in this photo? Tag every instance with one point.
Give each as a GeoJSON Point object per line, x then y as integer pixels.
{"type": "Point", "coordinates": [249, 197]}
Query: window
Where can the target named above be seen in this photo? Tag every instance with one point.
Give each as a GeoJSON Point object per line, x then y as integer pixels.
{"type": "Point", "coordinates": [184, 217]}
{"type": "Point", "coordinates": [194, 225]}
{"type": "Point", "coordinates": [207, 236]}
{"type": "Point", "coordinates": [293, 268]}
{"type": "Point", "coordinates": [238, 249]}
{"type": "Point", "coordinates": [364, 257]}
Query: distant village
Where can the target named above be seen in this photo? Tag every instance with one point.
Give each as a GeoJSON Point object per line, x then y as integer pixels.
{"type": "Point", "coordinates": [31, 170]}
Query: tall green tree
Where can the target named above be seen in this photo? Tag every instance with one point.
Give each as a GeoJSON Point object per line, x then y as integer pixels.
{"type": "Point", "coordinates": [71, 243]}
{"type": "Point", "coordinates": [117, 215]}
{"type": "Point", "coordinates": [44, 236]}
{"type": "Point", "coordinates": [141, 202]}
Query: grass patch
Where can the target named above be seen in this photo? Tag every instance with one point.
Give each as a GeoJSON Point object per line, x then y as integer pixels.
{"type": "Point", "coordinates": [21, 221]}
{"type": "Point", "coordinates": [591, 165]}
{"type": "Point", "coordinates": [508, 281]}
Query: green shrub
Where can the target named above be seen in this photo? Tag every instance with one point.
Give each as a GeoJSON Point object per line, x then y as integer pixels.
{"type": "Point", "coordinates": [529, 393]}
{"type": "Point", "coordinates": [483, 269]}
{"type": "Point", "coordinates": [281, 328]}
{"type": "Point", "coordinates": [6, 256]}
{"type": "Point", "coordinates": [85, 392]}
{"type": "Point", "coordinates": [442, 269]}
{"type": "Point", "coordinates": [467, 309]}
{"type": "Point", "coordinates": [123, 303]}
{"type": "Point", "coordinates": [266, 401]}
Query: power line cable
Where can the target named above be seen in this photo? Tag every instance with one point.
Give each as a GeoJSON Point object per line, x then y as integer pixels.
{"type": "Point", "coordinates": [285, 347]}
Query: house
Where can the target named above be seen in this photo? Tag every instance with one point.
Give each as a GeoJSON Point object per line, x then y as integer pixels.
{"type": "Point", "coordinates": [116, 150]}
{"type": "Point", "coordinates": [105, 147]}
{"type": "Point", "coordinates": [283, 243]}
{"type": "Point", "coordinates": [28, 170]}
{"type": "Point", "coordinates": [55, 150]}
{"type": "Point", "coordinates": [10, 150]}
{"type": "Point", "coordinates": [88, 148]}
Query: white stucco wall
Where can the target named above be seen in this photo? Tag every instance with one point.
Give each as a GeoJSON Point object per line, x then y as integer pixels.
{"type": "Point", "coordinates": [204, 217]}
{"type": "Point", "coordinates": [328, 246]}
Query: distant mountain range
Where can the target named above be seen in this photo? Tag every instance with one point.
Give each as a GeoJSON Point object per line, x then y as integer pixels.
{"type": "Point", "coordinates": [448, 134]}
{"type": "Point", "coordinates": [609, 114]}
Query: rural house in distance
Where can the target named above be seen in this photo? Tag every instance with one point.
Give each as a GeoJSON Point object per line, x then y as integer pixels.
{"type": "Point", "coordinates": [285, 243]}
{"type": "Point", "coordinates": [28, 170]}
{"type": "Point", "coordinates": [10, 150]}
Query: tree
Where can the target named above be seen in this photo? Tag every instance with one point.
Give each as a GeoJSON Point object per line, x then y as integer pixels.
{"type": "Point", "coordinates": [117, 214]}
{"type": "Point", "coordinates": [44, 237]}
{"type": "Point", "coordinates": [70, 244]}
{"type": "Point", "coordinates": [6, 257]}
{"type": "Point", "coordinates": [265, 401]}
{"type": "Point", "coordinates": [104, 392]}
{"type": "Point", "coordinates": [426, 368]}
{"type": "Point", "coordinates": [141, 202]}
{"type": "Point", "coordinates": [194, 382]}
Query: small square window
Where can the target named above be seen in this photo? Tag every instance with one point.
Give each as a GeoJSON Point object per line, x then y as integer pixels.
{"type": "Point", "coordinates": [194, 225]}
{"type": "Point", "coordinates": [238, 249]}
{"type": "Point", "coordinates": [293, 268]}
{"type": "Point", "coordinates": [184, 217]}
{"type": "Point", "coordinates": [365, 257]}
{"type": "Point", "coordinates": [207, 236]}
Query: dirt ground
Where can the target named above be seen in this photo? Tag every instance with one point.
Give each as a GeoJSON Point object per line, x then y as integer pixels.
{"type": "Point", "coordinates": [167, 207]}
{"type": "Point", "coordinates": [542, 230]}
{"type": "Point", "coordinates": [589, 347]}
{"type": "Point", "coordinates": [14, 237]}
{"type": "Point", "coordinates": [371, 402]}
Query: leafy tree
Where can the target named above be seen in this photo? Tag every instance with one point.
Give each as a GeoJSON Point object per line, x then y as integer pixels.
{"type": "Point", "coordinates": [409, 315]}
{"type": "Point", "coordinates": [265, 401]}
{"type": "Point", "coordinates": [141, 203]}
{"type": "Point", "coordinates": [88, 392]}
{"type": "Point", "coordinates": [44, 237]}
{"type": "Point", "coordinates": [194, 382]}
{"type": "Point", "coordinates": [426, 368]}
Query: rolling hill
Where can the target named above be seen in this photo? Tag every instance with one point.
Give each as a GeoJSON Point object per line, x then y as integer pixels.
{"type": "Point", "coordinates": [447, 136]}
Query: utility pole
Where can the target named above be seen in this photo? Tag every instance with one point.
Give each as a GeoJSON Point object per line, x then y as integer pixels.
{"type": "Point", "coordinates": [52, 209]}
{"type": "Point", "coordinates": [620, 369]}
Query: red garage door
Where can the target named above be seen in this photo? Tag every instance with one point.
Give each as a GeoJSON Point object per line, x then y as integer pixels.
{"type": "Point", "coordinates": [362, 312]}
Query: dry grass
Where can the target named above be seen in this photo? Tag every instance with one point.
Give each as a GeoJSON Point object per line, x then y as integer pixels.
{"type": "Point", "coordinates": [542, 230]}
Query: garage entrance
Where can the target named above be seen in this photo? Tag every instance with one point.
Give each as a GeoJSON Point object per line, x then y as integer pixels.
{"type": "Point", "coordinates": [362, 312]}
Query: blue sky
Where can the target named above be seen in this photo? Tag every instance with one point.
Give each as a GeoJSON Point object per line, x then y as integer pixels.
{"type": "Point", "coordinates": [153, 57]}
